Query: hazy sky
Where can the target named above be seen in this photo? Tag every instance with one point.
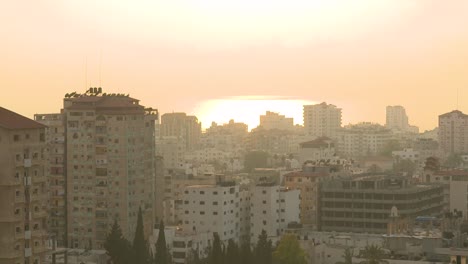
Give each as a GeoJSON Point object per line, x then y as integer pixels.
{"type": "Point", "coordinates": [174, 55]}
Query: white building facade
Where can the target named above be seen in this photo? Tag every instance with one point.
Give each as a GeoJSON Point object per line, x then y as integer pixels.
{"type": "Point", "coordinates": [272, 208]}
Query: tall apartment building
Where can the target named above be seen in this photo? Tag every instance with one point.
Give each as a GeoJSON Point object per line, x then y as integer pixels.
{"type": "Point", "coordinates": [364, 139]}
{"type": "Point", "coordinates": [186, 128]}
{"type": "Point", "coordinates": [213, 208]}
{"type": "Point", "coordinates": [453, 132]}
{"type": "Point", "coordinates": [273, 207]}
{"type": "Point", "coordinates": [23, 189]}
{"type": "Point", "coordinates": [109, 164]}
{"type": "Point", "coordinates": [55, 138]}
{"type": "Point", "coordinates": [226, 137]}
{"type": "Point", "coordinates": [307, 182]}
{"type": "Point", "coordinates": [396, 118]}
{"type": "Point", "coordinates": [272, 120]}
{"type": "Point", "coordinates": [173, 150]}
{"type": "Point", "coordinates": [363, 204]}
{"type": "Point", "coordinates": [322, 120]}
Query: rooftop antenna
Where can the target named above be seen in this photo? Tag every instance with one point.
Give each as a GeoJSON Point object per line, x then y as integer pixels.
{"type": "Point", "coordinates": [457, 98]}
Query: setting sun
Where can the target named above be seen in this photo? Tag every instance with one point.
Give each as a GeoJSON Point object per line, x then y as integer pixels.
{"type": "Point", "coordinates": [247, 109]}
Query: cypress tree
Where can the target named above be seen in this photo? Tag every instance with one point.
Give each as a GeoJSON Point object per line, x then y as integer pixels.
{"type": "Point", "coordinates": [118, 248]}
{"type": "Point", "coordinates": [161, 256]}
{"type": "Point", "coordinates": [263, 249]}
{"type": "Point", "coordinates": [232, 253]}
{"type": "Point", "coordinates": [246, 256]}
{"type": "Point", "coordinates": [140, 246]}
{"type": "Point", "coordinates": [216, 254]}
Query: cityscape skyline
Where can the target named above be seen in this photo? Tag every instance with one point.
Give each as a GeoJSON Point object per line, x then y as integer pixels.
{"type": "Point", "coordinates": [398, 52]}
{"type": "Point", "coordinates": [221, 111]}
{"type": "Point", "coordinates": [227, 132]}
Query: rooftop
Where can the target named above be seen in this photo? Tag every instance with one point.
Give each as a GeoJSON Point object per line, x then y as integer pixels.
{"type": "Point", "coordinates": [11, 120]}
{"type": "Point", "coordinates": [318, 143]}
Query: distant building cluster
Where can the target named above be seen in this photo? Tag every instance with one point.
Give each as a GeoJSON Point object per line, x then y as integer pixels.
{"type": "Point", "coordinates": [66, 177]}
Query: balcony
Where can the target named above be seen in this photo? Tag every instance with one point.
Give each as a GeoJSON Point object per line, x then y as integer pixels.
{"type": "Point", "coordinates": [38, 233]}
{"type": "Point", "coordinates": [27, 163]}
{"type": "Point", "coordinates": [39, 178]}
{"type": "Point", "coordinates": [27, 181]}
{"type": "Point", "coordinates": [40, 214]}
{"type": "Point", "coordinates": [19, 198]}
{"type": "Point", "coordinates": [39, 249]}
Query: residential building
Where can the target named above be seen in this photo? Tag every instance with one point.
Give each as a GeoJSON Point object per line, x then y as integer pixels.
{"type": "Point", "coordinates": [212, 208]}
{"type": "Point", "coordinates": [322, 120]}
{"type": "Point", "coordinates": [57, 182]}
{"type": "Point", "coordinates": [364, 204]}
{"type": "Point", "coordinates": [273, 207]}
{"type": "Point", "coordinates": [159, 188]}
{"type": "Point", "coordinates": [322, 148]}
{"type": "Point", "coordinates": [23, 189]}
{"type": "Point", "coordinates": [307, 182]}
{"type": "Point", "coordinates": [397, 119]}
{"type": "Point", "coordinates": [458, 192]}
{"type": "Point", "coordinates": [406, 154]}
{"type": "Point", "coordinates": [186, 128]}
{"type": "Point", "coordinates": [272, 120]}
{"type": "Point", "coordinates": [363, 139]}
{"type": "Point", "coordinates": [173, 150]}
{"type": "Point", "coordinates": [110, 165]}
{"type": "Point", "coordinates": [427, 147]}
{"type": "Point", "coordinates": [274, 141]}
{"type": "Point", "coordinates": [453, 133]}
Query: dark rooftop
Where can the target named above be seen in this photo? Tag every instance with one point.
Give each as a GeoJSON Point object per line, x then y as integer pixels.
{"type": "Point", "coordinates": [11, 120]}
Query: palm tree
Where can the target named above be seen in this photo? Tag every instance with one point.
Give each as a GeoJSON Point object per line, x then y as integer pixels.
{"type": "Point", "coordinates": [348, 256]}
{"type": "Point", "coordinates": [373, 254]}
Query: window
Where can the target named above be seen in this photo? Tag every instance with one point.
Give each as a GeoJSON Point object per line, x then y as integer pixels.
{"type": "Point", "coordinates": [16, 138]}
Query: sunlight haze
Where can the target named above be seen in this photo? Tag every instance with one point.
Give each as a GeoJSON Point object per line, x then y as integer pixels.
{"type": "Point", "coordinates": [358, 55]}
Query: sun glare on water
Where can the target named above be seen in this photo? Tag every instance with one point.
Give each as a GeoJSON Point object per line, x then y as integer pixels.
{"type": "Point", "coordinates": [248, 110]}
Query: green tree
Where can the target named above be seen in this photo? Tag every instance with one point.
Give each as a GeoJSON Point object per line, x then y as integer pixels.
{"type": "Point", "coordinates": [216, 254]}
{"type": "Point", "coordinates": [432, 164]}
{"type": "Point", "coordinates": [255, 159]}
{"type": "Point", "coordinates": [263, 249]}
{"type": "Point", "coordinates": [389, 147]}
{"type": "Point", "coordinates": [140, 246]}
{"type": "Point", "coordinates": [117, 247]}
{"type": "Point", "coordinates": [406, 166]}
{"type": "Point", "coordinates": [453, 161]}
{"type": "Point", "coordinates": [246, 256]}
{"type": "Point", "coordinates": [232, 253]}
{"type": "Point", "coordinates": [161, 256]}
{"type": "Point", "coordinates": [373, 254]}
{"type": "Point", "coordinates": [289, 251]}
{"type": "Point", "coordinates": [348, 256]}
